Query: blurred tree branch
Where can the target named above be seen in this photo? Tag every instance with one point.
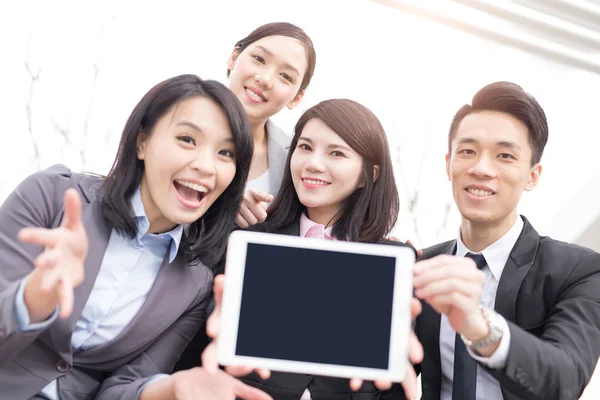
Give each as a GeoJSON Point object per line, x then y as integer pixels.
{"type": "Point", "coordinates": [413, 193]}
{"type": "Point", "coordinates": [88, 112]}
{"type": "Point", "coordinates": [34, 77]}
{"type": "Point", "coordinates": [65, 130]}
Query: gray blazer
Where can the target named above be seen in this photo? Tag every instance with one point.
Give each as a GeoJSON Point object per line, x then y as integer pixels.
{"type": "Point", "coordinates": [150, 344]}
{"type": "Point", "coordinates": [278, 143]}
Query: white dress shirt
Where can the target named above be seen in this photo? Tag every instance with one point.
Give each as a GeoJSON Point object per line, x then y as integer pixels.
{"type": "Point", "coordinates": [127, 273]}
{"type": "Point", "coordinates": [496, 256]}
{"type": "Point", "coordinates": [262, 183]}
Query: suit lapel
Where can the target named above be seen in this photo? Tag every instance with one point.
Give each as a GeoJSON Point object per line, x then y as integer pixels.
{"type": "Point", "coordinates": [172, 292]}
{"type": "Point", "coordinates": [98, 231]}
{"type": "Point", "coordinates": [277, 141]}
{"type": "Point", "coordinates": [292, 229]}
{"type": "Point", "coordinates": [428, 331]}
{"type": "Point", "coordinates": [517, 266]}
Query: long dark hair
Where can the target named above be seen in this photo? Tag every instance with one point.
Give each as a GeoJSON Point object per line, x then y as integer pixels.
{"type": "Point", "coordinates": [204, 239]}
{"type": "Point", "coordinates": [369, 213]}
{"type": "Point", "coordinates": [283, 29]}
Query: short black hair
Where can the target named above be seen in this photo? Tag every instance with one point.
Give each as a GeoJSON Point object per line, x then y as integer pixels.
{"type": "Point", "coordinates": [508, 98]}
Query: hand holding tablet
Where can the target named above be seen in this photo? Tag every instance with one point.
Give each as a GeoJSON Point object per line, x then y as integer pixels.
{"type": "Point", "coordinates": [327, 308]}
{"type": "Point", "coordinates": [213, 327]}
{"type": "Point", "coordinates": [210, 363]}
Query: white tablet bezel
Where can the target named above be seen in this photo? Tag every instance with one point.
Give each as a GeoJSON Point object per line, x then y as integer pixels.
{"type": "Point", "coordinates": [401, 321]}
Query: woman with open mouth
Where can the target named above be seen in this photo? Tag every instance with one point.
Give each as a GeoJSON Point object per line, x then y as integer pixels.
{"type": "Point", "coordinates": [104, 280]}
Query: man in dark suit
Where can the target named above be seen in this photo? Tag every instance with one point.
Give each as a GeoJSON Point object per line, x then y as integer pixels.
{"type": "Point", "coordinates": [523, 320]}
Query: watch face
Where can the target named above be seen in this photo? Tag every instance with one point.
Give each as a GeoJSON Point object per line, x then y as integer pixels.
{"type": "Point", "coordinates": [496, 329]}
{"type": "Point", "coordinates": [495, 322]}
{"type": "Point", "coordinates": [496, 325]}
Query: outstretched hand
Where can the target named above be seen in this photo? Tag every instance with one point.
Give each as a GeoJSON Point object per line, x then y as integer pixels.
{"type": "Point", "coordinates": [60, 267]}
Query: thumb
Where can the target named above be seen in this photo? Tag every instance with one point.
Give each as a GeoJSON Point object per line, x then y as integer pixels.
{"type": "Point", "coordinates": [246, 392]}
{"type": "Point", "coordinates": [72, 218]}
{"type": "Point", "coordinates": [218, 286]}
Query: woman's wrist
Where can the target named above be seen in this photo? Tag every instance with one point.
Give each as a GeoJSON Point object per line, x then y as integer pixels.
{"type": "Point", "coordinates": [40, 304]}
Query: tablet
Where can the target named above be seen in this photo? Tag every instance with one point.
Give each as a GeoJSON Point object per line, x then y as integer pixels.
{"type": "Point", "coordinates": [315, 306]}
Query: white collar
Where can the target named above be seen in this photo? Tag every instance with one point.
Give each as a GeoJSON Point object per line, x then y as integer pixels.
{"type": "Point", "coordinates": [497, 253]}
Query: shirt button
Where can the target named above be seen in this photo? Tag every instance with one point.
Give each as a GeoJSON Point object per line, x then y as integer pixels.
{"type": "Point", "coordinates": [138, 246]}
{"type": "Point", "coordinates": [115, 284]}
{"type": "Point", "coordinates": [63, 366]}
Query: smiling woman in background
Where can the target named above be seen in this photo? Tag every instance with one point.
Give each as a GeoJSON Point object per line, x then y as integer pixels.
{"type": "Point", "coordinates": [268, 71]}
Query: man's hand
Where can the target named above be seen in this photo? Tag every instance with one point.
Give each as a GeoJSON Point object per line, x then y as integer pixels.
{"type": "Point", "coordinates": [408, 242]}
{"type": "Point", "coordinates": [452, 286]}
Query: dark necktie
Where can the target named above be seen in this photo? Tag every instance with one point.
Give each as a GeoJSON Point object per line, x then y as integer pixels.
{"type": "Point", "coordinates": [464, 382]}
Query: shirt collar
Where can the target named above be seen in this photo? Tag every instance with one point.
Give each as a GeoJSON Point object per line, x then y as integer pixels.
{"type": "Point", "coordinates": [171, 238]}
{"type": "Point", "coordinates": [306, 224]}
{"type": "Point", "coordinates": [498, 252]}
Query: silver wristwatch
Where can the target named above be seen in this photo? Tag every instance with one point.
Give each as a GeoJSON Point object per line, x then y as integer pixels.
{"type": "Point", "coordinates": [494, 321]}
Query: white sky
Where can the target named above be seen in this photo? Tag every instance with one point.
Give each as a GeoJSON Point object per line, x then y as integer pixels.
{"type": "Point", "coordinates": [412, 73]}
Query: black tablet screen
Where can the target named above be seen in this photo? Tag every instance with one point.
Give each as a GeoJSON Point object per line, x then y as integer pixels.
{"type": "Point", "coordinates": [316, 306]}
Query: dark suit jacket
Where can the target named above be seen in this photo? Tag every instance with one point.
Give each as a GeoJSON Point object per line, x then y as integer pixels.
{"type": "Point", "coordinates": [549, 293]}
{"type": "Point", "coordinates": [288, 386]}
{"type": "Point", "coordinates": [150, 344]}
